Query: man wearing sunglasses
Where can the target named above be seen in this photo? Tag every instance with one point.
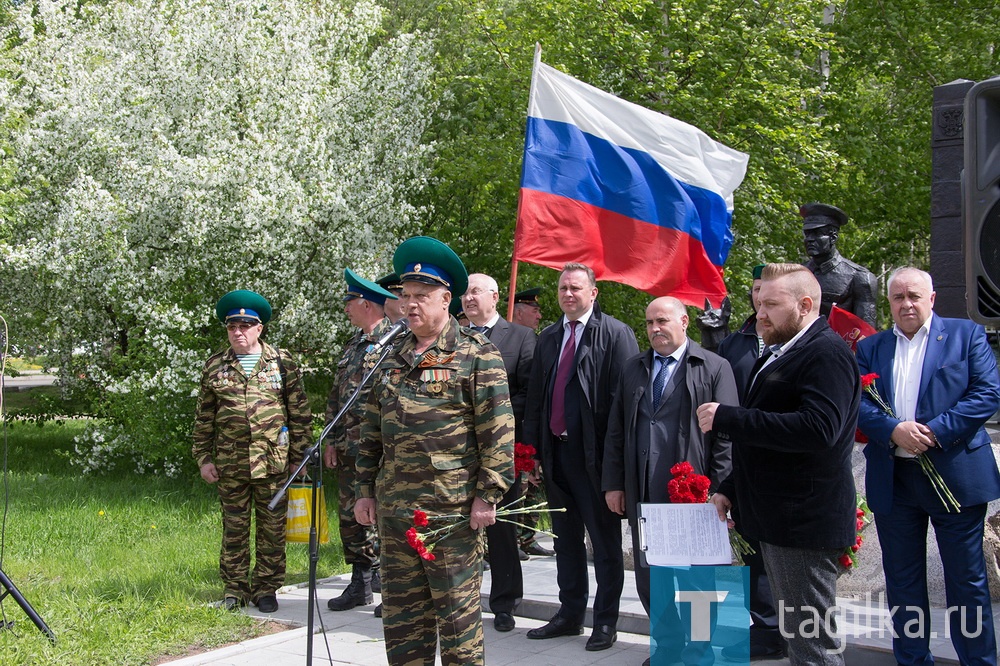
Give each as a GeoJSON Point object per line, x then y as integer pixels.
{"type": "Point", "coordinates": [252, 425]}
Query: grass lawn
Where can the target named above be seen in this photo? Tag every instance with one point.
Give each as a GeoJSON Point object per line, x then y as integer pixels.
{"type": "Point", "coordinates": [123, 569]}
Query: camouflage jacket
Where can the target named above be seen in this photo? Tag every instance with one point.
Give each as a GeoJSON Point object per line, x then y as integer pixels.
{"type": "Point", "coordinates": [351, 368]}
{"type": "Point", "coordinates": [439, 429]}
{"type": "Point", "coordinates": [239, 418]}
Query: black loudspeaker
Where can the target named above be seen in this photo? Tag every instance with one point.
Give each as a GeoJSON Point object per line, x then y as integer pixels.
{"type": "Point", "coordinates": [981, 202]}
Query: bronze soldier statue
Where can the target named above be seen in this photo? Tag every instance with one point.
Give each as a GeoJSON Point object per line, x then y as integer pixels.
{"type": "Point", "coordinates": [844, 283]}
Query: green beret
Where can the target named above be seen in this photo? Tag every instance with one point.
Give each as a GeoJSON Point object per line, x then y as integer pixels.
{"type": "Point", "coordinates": [243, 305]}
{"type": "Point", "coordinates": [428, 260]}
{"type": "Point", "coordinates": [758, 270]}
{"type": "Point", "coordinates": [358, 287]}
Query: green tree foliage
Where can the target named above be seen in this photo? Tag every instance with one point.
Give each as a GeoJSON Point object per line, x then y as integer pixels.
{"type": "Point", "coordinates": [164, 152]}
{"type": "Point", "coordinates": [831, 102]}
{"type": "Point", "coordinates": [890, 57]}
{"type": "Point", "coordinates": [748, 74]}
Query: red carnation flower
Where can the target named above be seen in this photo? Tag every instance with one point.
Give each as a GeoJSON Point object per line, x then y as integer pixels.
{"type": "Point", "coordinates": [682, 468]}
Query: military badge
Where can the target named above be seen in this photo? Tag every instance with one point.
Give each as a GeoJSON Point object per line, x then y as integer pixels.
{"type": "Point", "coordinates": [431, 359]}
{"type": "Point", "coordinates": [436, 375]}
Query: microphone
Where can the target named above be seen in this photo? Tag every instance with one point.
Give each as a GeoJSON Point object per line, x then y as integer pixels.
{"type": "Point", "coordinates": [399, 327]}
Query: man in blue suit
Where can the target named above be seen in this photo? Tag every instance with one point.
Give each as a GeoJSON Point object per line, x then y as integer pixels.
{"type": "Point", "coordinates": [940, 377]}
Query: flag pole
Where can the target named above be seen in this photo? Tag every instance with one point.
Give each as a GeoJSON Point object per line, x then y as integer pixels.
{"type": "Point", "coordinates": [512, 290]}
{"type": "Point", "coordinates": [513, 260]}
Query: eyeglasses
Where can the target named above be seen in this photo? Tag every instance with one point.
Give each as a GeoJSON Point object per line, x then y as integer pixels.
{"type": "Point", "coordinates": [476, 291]}
{"type": "Point", "coordinates": [241, 327]}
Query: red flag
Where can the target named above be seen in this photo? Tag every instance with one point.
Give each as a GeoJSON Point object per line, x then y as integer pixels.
{"type": "Point", "coordinates": [849, 326]}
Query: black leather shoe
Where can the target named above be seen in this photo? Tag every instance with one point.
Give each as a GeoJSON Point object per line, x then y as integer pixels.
{"type": "Point", "coordinates": [503, 621]}
{"type": "Point", "coordinates": [557, 626]}
{"type": "Point", "coordinates": [604, 636]}
{"type": "Point", "coordinates": [378, 611]}
{"type": "Point", "coordinates": [535, 548]}
{"type": "Point", "coordinates": [523, 556]}
{"type": "Point", "coordinates": [267, 603]}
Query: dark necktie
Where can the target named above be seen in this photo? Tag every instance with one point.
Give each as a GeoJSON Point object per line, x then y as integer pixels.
{"type": "Point", "coordinates": [557, 422]}
{"type": "Point", "coordinates": [481, 329]}
{"type": "Point", "coordinates": [661, 378]}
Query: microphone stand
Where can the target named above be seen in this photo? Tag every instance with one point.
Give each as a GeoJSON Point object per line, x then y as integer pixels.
{"type": "Point", "coordinates": [312, 455]}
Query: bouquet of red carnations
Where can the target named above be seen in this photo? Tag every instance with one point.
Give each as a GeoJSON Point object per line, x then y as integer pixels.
{"type": "Point", "coordinates": [689, 488]}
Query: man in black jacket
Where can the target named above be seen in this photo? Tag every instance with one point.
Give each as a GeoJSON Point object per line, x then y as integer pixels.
{"type": "Point", "coordinates": [792, 444]}
{"type": "Point", "coordinates": [573, 378]}
{"type": "Point", "coordinates": [742, 349]}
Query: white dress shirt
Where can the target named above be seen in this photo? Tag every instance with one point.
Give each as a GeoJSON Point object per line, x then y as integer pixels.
{"type": "Point", "coordinates": [907, 367]}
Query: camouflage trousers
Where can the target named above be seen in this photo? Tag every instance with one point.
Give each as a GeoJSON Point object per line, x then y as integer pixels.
{"type": "Point", "coordinates": [359, 541]}
{"type": "Point", "coordinates": [428, 600]}
{"type": "Point", "coordinates": [242, 499]}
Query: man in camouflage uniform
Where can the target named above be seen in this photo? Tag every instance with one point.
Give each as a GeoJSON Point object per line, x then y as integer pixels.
{"type": "Point", "coordinates": [249, 393]}
{"type": "Point", "coordinates": [364, 304]}
{"type": "Point", "coordinates": [439, 437]}
{"type": "Point", "coordinates": [393, 309]}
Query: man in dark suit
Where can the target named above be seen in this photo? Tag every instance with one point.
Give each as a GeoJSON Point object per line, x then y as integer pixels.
{"type": "Point", "coordinates": [742, 349]}
{"type": "Point", "coordinates": [792, 443]}
{"type": "Point", "coordinates": [940, 378]}
{"type": "Point", "coordinates": [517, 345]}
{"type": "Point", "coordinates": [573, 378]}
{"type": "Point", "coordinates": [653, 426]}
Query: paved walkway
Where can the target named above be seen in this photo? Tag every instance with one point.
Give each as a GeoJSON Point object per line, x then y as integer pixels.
{"type": "Point", "coordinates": [355, 636]}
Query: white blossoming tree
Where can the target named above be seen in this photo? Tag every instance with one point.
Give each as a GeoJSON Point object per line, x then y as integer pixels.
{"type": "Point", "coordinates": [159, 153]}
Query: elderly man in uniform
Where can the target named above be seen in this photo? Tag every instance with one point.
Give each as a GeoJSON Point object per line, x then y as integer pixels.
{"type": "Point", "coordinates": [438, 437]}
{"type": "Point", "coordinates": [393, 308]}
{"type": "Point", "coordinates": [364, 304]}
{"type": "Point", "coordinates": [527, 310]}
{"type": "Point", "coordinates": [253, 424]}
{"type": "Point", "coordinates": [844, 283]}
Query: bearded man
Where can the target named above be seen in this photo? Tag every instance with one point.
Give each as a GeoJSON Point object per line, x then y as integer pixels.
{"type": "Point", "coordinates": [792, 444]}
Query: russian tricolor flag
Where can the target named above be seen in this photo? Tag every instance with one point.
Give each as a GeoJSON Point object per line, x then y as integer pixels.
{"type": "Point", "coordinates": [638, 196]}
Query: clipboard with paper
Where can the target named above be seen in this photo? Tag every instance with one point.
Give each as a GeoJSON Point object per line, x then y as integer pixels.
{"type": "Point", "coordinates": [683, 535]}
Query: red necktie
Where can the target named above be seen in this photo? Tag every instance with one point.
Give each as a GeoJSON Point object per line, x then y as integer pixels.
{"type": "Point", "coordinates": [557, 422]}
